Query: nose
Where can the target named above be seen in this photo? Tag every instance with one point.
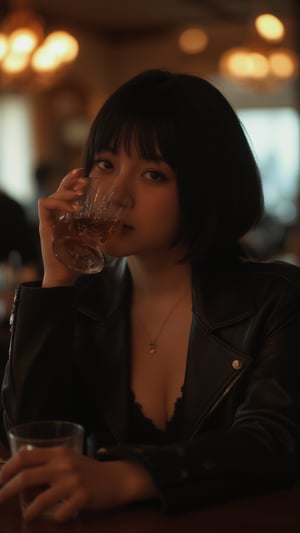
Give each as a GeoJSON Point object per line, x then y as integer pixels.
{"type": "Point", "coordinates": [121, 194]}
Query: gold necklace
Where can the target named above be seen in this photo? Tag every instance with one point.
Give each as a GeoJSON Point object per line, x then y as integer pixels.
{"type": "Point", "coordinates": [152, 342]}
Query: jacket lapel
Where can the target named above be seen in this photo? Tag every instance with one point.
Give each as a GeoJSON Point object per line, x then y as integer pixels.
{"type": "Point", "coordinates": [212, 369]}
{"type": "Point", "coordinates": [213, 364]}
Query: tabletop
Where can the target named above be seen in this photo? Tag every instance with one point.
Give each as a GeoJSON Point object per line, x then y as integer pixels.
{"type": "Point", "coordinates": [277, 512]}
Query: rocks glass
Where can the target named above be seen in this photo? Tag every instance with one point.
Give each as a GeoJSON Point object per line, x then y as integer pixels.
{"type": "Point", "coordinates": [44, 433]}
{"type": "Point", "coordinates": [79, 236]}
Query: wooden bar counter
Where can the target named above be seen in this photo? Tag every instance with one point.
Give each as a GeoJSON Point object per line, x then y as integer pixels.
{"type": "Point", "coordinates": [277, 512]}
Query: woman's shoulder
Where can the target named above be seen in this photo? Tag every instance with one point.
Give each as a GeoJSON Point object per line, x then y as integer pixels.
{"type": "Point", "coordinates": [276, 271]}
{"type": "Point", "coordinates": [247, 288]}
{"type": "Point", "coordinates": [272, 282]}
{"type": "Point", "coordinates": [245, 273]}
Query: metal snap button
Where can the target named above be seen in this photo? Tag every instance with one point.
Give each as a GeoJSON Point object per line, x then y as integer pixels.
{"type": "Point", "coordinates": [236, 364]}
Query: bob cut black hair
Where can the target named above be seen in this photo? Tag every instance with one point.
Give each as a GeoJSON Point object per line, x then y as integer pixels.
{"type": "Point", "coordinates": [189, 123]}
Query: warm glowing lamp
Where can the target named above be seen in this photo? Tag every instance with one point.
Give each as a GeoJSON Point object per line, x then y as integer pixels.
{"type": "Point", "coordinates": [62, 45]}
{"type": "Point", "coordinates": [14, 63]}
{"type": "Point", "coordinates": [192, 40]}
{"type": "Point", "coordinates": [243, 63]}
{"type": "Point", "coordinates": [22, 40]}
{"type": "Point", "coordinates": [24, 50]}
{"type": "Point", "coordinates": [42, 61]}
{"type": "Point", "coordinates": [283, 63]}
{"type": "Point", "coordinates": [257, 68]}
{"type": "Point", "coordinates": [269, 27]}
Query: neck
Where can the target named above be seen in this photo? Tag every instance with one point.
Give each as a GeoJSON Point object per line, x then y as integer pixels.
{"type": "Point", "coordinates": [158, 277]}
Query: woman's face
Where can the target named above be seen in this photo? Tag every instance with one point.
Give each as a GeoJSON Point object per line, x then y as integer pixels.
{"type": "Point", "coordinates": [148, 191]}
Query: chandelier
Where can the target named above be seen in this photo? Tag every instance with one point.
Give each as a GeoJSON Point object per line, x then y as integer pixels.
{"type": "Point", "coordinates": [27, 53]}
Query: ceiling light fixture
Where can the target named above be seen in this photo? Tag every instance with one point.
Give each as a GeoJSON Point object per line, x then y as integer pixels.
{"type": "Point", "coordinates": [26, 52]}
{"type": "Point", "coordinates": [258, 64]}
{"type": "Point", "coordinates": [269, 27]}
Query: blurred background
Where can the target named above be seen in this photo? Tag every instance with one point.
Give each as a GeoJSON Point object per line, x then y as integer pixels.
{"type": "Point", "coordinates": [60, 59]}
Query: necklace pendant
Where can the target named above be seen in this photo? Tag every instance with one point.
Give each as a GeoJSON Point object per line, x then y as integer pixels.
{"type": "Point", "coordinates": [152, 348]}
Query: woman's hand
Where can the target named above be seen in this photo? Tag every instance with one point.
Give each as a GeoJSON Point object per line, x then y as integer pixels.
{"type": "Point", "coordinates": [75, 481]}
{"type": "Point", "coordinates": [71, 187]}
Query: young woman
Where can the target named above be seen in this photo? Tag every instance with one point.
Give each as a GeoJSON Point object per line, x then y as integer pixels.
{"type": "Point", "coordinates": [181, 358]}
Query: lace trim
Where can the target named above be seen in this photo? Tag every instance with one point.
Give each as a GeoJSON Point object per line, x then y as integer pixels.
{"type": "Point", "coordinates": [169, 424]}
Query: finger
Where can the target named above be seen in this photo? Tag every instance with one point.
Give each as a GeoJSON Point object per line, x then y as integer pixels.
{"type": "Point", "coordinates": [71, 507]}
{"type": "Point", "coordinates": [27, 457]}
{"type": "Point", "coordinates": [58, 497]}
{"type": "Point", "coordinates": [39, 467]}
{"type": "Point", "coordinates": [15, 464]}
{"type": "Point", "coordinates": [25, 469]}
{"type": "Point", "coordinates": [48, 498]}
{"type": "Point", "coordinates": [66, 203]}
{"type": "Point", "coordinates": [72, 178]}
{"type": "Point", "coordinates": [16, 484]}
{"type": "Point", "coordinates": [65, 194]}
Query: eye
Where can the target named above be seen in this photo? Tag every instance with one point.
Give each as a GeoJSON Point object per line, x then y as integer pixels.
{"type": "Point", "coordinates": [154, 175]}
{"type": "Point", "coordinates": [103, 164]}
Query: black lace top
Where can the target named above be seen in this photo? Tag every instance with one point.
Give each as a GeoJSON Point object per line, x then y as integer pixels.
{"type": "Point", "coordinates": [142, 430]}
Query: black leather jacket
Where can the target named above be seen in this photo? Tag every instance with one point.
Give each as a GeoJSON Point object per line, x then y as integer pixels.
{"type": "Point", "coordinates": [70, 359]}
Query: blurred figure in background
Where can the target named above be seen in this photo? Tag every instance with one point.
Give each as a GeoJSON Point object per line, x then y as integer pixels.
{"type": "Point", "coordinates": [266, 241]}
{"type": "Point", "coordinates": [18, 262]}
{"type": "Point", "coordinates": [16, 241]}
{"type": "Point", "coordinates": [18, 254]}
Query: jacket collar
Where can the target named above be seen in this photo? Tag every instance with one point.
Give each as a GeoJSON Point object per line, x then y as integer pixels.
{"type": "Point", "coordinates": [213, 291]}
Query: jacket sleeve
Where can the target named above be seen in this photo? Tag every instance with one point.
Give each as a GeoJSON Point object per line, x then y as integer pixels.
{"type": "Point", "coordinates": [42, 331]}
{"type": "Point", "coordinates": [260, 449]}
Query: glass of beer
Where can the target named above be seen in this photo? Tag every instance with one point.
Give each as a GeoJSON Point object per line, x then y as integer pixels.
{"type": "Point", "coordinates": [79, 236]}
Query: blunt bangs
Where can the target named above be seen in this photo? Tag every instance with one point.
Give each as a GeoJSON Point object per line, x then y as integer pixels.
{"type": "Point", "coordinates": [146, 119]}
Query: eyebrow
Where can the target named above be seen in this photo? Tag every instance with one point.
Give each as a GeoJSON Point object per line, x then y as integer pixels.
{"type": "Point", "coordinates": [105, 149]}
{"type": "Point", "coordinates": [155, 157]}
